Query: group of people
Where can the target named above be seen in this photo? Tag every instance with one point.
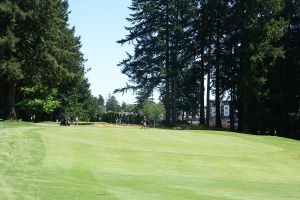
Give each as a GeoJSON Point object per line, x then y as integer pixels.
{"type": "Point", "coordinates": [143, 122]}
{"type": "Point", "coordinates": [66, 121]}
{"type": "Point", "coordinates": [32, 118]}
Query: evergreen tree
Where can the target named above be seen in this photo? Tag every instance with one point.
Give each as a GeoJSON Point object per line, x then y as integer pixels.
{"type": "Point", "coordinates": [112, 104]}
{"type": "Point", "coordinates": [283, 79]}
{"type": "Point", "coordinates": [11, 57]}
{"type": "Point", "coordinates": [159, 56]}
{"type": "Point", "coordinates": [259, 27]}
{"type": "Point", "coordinates": [39, 50]}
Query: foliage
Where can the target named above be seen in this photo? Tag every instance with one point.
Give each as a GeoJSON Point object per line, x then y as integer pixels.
{"type": "Point", "coordinates": [39, 99]}
{"type": "Point", "coordinates": [249, 50]}
{"type": "Point", "coordinates": [40, 56]}
{"type": "Point", "coordinates": [112, 104]}
{"type": "Point", "coordinates": [76, 100]}
{"type": "Point", "coordinates": [152, 111]}
{"type": "Point", "coordinates": [99, 106]}
{"type": "Point", "coordinates": [122, 118]}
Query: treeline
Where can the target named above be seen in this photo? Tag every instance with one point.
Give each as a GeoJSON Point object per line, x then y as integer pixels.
{"type": "Point", "coordinates": [243, 51]}
{"type": "Point", "coordinates": [120, 118]}
{"type": "Point", "coordinates": [42, 69]}
{"type": "Point", "coordinates": [114, 112]}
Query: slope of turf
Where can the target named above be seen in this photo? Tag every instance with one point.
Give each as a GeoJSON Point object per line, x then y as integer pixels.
{"type": "Point", "coordinates": [45, 162]}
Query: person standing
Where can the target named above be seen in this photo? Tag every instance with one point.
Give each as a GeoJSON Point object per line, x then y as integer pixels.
{"type": "Point", "coordinates": [144, 122]}
{"type": "Point", "coordinates": [33, 118]}
{"type": "Point", "coordinates": [68, 123]}
{"type": "Point", "coordinates": [76, 120]}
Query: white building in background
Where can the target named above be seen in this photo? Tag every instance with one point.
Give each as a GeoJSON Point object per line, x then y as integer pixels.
{"type": "Point", "coordinates": [225, 109]}
{"type": "Point", "coordinates": [225, 112]}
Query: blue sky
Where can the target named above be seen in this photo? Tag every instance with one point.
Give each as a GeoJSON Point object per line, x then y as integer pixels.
{"type": "Point", "coordinates": [100, 23]}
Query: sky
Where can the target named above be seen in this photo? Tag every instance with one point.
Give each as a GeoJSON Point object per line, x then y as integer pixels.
{"type": "Point", "coordinates": [100, 23]}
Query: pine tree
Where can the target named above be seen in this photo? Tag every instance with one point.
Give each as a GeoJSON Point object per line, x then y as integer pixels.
{"type": "Point", "coordinates": [157, 35]}
{"type": "Point", "coordinates": [10, 57]}
{"type": "Point", "coordinates": [283, 78]}
{"type": "Point", "coordinates": [259, 27]}
{"type": "Point", "coordinates": [39, 49]}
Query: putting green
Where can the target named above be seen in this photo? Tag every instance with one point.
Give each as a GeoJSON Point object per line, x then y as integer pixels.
{"type": "Point", "coordinates": [49, 162]}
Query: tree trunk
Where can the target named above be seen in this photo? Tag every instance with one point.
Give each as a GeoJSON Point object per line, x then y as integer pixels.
{"type": "Point", "coordinates": [175, 66]}
{"type": "Point", "coordinates": [174, 96]}
{"type": "Point", "coordinates": [240, 116]}
{"type": "Point", "coordinates": [243, 98]}
{"type": "Point", "coordinates": [167, 97]}
{"type": "Point", "coordinates": [232, 104]}
{"type": "Point", "coordinates": [202, 67]}
{"type": "Point", "coordinates": [217, 100]}
{"type": "Point", "coordinates": [12, 86]}
{"type": "Point", "coordinates": [245, 120]}
{"type": "Point", "coordinates": [243, 115]}
{"type": "Point", "coordinates": [208, 98]}
{"type": "Point", "coordinates": [202, 117]}
{"type": "Point", "coordinates": [217, 97]}
{"type": "Point", "coordinates": [174, 103]}
{"type": "Point", "coordinates": [167, 102]}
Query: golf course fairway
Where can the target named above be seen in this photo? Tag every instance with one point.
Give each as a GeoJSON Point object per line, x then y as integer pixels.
{"type": "Point", "coordinates": [122, 163]}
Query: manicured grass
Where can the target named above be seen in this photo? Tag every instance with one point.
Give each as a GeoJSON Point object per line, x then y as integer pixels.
{"type": "Point", "coordinates": [13, 124]}
{"type": "Point", "coordinates": [90, 162]}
